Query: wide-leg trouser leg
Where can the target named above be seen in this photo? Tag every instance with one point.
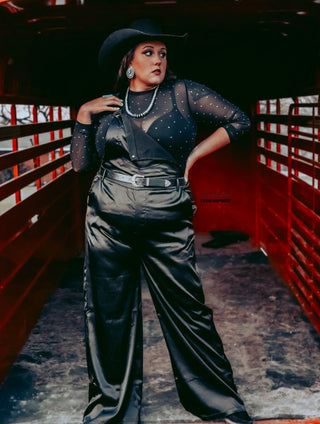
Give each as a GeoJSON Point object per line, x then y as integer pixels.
{"type": "Point", "coordinates": [113, 325]}
{"type": "Point", "coordinates": [202, 372]}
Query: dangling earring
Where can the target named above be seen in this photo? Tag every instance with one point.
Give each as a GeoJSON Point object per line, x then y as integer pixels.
{"type": "Point", "coordinates": [130, 72]}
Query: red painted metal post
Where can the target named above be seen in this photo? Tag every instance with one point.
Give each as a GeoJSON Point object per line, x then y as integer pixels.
{"type": "Point", "coordinates": [296, 128]}
{"type": "Point", "coordinates": [52, 137]}
{"type": "Point", "coordinates": [289, 230]}
{"type": "Point", "coordinates": [73, 113]}
{"type": "Point", "coordinates": [257, 182]}
{"type": "Point", "coordinates": [268, 126]}
{"type": "Point", "coordinates": [278, 131]}
{"type": "Point", "coordinates": [60, 136]}
{"type": "Point", "coordinates": [15, 149]}
{"type": "Point", "coordinates": [36, 160]}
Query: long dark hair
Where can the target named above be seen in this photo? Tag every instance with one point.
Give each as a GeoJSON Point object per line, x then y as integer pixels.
{"type": "Point", "coordinates": [122, 81]}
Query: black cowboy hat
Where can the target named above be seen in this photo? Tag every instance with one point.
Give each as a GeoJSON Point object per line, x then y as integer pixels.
{"type": "Point", "coordinates": [119, 42]}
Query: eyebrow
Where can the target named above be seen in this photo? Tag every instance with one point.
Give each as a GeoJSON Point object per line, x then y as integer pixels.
{"type": "Point", "coordinates": [162, 48]}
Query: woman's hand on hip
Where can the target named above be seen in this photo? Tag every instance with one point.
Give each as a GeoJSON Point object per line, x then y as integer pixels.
{"type": "Point", "coordinates": [215, 141]}
{"type": "Point", "coordinates": [107, 103]}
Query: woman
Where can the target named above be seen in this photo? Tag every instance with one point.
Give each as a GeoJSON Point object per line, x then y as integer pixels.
{"type": "Point", "coordinates": [140, 215]}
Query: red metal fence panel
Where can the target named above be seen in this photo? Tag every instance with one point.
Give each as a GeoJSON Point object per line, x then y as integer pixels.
{"type": "Point", "coordinates": [288, 196]}
{"type": "Point", "coordinates": [304, 208]}
{"type": "Point", "coordinates": [40, 221]}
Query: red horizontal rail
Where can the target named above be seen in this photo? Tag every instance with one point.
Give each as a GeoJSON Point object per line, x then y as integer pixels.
{"type": "Point", "coordinates": [301, 156]}
{"type": "Point", "coordinates": [274, 234]}
{"type": "Point", "coordinates": [306, 168]}
{"type": "Point", "coordinates": [301, 265]}
{"type": "Point", "coordinates": [271, 179]}
{"type": "Point", "coordinates": [298, 292]}
{"type": "Point", "coordinates": [15, 219]}
{"type": "Point", "coordinates": [295, 120]}
{"type": "Point", "coordinates": [9, 159]}
{"type": "Point", "coordinates": [305, 193]}
{"type": "Point", "coordinates": [309, 291]}
{"type": "Point", "coordinates": [23, 180]}
{"type": "Point", "coordinates": [304, 256]}
{"type": "Point", "coordinates": [298, 132]}
{"type": "Point", "coordinates": [272, 155]}
{"type": "Point", "coordinates": [273, 211]}
{"type": "Point", "coordinates": [310, 216]}
{"type": "Point", "coordinates": [271, 136]}
{"type": "Point", "coordinates": [272, 118]}
{"type": "Point", "coordinates": [27, 243]}
{"type": "Point", "coordinates": [306, 145]}
{"type": "Point", "coordinates": [16, 131]}
{"type": "Point", "coordinates": [8, 309]}
{"type": "Point", "coordinates": [300, 232]}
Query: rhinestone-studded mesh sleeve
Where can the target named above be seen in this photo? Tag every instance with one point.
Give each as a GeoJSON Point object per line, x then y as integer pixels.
{"type": "Point", "coordinates": [212, 109]}
{"type": "Point", "coordinates": [84, 157]}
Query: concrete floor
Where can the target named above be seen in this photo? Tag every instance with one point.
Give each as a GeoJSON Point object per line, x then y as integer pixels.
{"type": "Point", "coordinates": [274, 351]}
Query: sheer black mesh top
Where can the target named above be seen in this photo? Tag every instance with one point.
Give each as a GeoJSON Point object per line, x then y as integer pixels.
{"type": "Point", "coordinates": [172, 122]}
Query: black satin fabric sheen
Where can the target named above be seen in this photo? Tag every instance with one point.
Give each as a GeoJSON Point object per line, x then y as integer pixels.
{"type": "Point", "coordinates": [129, 227]}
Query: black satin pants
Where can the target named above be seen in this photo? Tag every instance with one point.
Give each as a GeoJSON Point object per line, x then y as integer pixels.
{"type": "Point", "coordinates": [127, 228]}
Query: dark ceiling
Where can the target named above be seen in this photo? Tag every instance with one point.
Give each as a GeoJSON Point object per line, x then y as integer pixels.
{"type": "Point", "coordinates": [245, 49]}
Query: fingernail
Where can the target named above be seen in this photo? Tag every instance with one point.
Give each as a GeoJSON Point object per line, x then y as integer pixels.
{"type": "Point", "coordinates": [107, 95]}
{"type": "Point", "coordinates": [186, 179]}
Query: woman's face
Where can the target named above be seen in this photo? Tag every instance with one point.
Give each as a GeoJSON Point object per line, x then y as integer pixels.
{"type": "Point", "coordinates": [150, 64]}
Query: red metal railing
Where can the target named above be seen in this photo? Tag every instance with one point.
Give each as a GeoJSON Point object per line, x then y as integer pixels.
{"type": "Point", "coordinates": [288, 196]}
{"type": "Point", "coordinates": [39, 228]}
{"type": "Point", "coordinates": [304, 207]}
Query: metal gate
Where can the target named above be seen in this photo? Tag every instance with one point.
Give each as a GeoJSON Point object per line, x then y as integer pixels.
{"type": "Point", "coordinates": [288, 196]}
{"type": "Point", "coordinates": [304, 207]}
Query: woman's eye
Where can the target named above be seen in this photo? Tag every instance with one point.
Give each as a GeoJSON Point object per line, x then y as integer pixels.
{"type": "Point", "coordinates": [163, 54]}
{"type": "Point", "coordinates": [148, 52]}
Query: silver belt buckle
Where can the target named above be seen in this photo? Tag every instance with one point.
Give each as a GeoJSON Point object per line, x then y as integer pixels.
{"type": "Point", "coordinates": [135, 181]}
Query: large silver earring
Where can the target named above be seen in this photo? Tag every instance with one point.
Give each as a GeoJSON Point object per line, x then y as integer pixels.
{"type": "Point", "coordinates": [130, 72]}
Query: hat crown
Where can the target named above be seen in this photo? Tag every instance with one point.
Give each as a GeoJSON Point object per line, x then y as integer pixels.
{"type": "Point", "coordinates": [146, 26]}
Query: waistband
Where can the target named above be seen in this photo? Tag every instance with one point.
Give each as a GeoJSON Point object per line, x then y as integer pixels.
{"type": "Point", "coordinates": [138, 180]}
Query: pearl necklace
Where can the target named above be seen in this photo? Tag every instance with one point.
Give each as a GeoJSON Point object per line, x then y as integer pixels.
{"type": "Point", "coordinates": [142, 114]}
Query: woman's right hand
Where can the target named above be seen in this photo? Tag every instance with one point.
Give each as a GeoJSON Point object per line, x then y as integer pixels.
{"type": "Point", "coordinates": [108, 103]}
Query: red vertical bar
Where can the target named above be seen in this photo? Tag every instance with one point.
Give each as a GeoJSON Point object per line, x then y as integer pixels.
{"type": "Point", "coordinates": [296, 112]}
{"type": "Point", "coordinates": [257, 180]}
{"type": "Point", "coordinates": [268, 126]}
{"type": "Point", "coordinates": [36, 161]}
{"type": "Point", "coordinates": [15, 149]}
{"type": "Point", "coordinates": [53, 153]}
{"type": "Point", "coordinates": [278, 131]}
{"type": "Point", "coordinates": [60, 136]}
{"type": "Point", "coordinates": [73, 113]}
{"type": "Point", "coordinates": [290, 135]}
{"type": "Point", "coordinates": [314, 185]}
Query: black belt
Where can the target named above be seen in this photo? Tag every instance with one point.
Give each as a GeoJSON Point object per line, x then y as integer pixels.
{"type": "Point", "coordinates": [141, 180]}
